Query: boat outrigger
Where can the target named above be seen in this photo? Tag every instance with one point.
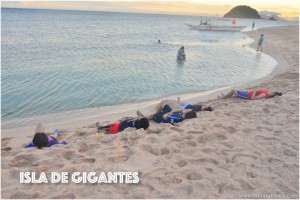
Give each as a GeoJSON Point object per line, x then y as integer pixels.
{"type": "Point", "coordinates": [210, 27]}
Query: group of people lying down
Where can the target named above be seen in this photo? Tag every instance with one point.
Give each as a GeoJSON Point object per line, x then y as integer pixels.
{"type": "Point", "coordinates": [164, 113]}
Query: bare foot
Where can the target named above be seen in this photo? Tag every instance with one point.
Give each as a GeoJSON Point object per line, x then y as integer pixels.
{"type": "Point", "coordinates": [98, 127]}
{"type": "Point", "coordinates": [139, 113]}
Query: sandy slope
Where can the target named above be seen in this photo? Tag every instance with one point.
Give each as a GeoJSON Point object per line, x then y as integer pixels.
{"type": "Point", "coordinates": [241, 148]}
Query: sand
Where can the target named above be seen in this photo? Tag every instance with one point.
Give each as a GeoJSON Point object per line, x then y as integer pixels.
{"type": "Point", "coordinates": [243, 149]}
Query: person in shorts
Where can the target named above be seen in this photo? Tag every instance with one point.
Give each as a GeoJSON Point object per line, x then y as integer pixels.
{"type": "Point", "coordinates": [251, 95]}
{"type": "Point", "coordinates": [165, 114]}
{"type": "Point", "coordinates": [121, 125]}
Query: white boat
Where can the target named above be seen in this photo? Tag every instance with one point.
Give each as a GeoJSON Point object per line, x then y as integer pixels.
{"type": "Point", "coordinates": [211, 27]}
{"type": "Point", "coordinates": [216, 27]}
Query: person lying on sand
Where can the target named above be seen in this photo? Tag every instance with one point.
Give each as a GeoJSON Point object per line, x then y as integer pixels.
{"type": "Point", "coordinates": [164, 114]}
{"type": "Point", "coordinates": [119, 126]}
{"type": "Point", "coordinates": [194, 107]}
{"type": "Point", "coordinates": [251, 95]}
{"type": "Point", "coordinates": [40, 139]}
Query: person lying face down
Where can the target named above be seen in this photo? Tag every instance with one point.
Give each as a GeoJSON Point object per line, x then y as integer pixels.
{"type": "Point", "coordinates": [119, 126]}
{"type": "Point", "coordinates": [165, 114]}
{"type": "Point", "coordinates": [40, 139]}
{"type": "Point", "coordinates": [251, 95]}
{"type": "Point", "coordinates": [194, 107]}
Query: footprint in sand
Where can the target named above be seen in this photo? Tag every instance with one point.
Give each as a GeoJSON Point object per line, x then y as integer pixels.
{"type": "Point", "coordinates": [6, 149]}
{"type": "Point", "coordinates": [195, 132]}
{"type": "Point", "coordinates": [230, 129]}
{"type": "Point", "coordinates": [95, 146]}
{"type": "Point", "coordinates": [245, 185]}
{"type": "Point", "coordinates": [165, 151]}
{"type": "Point", "coordinates": [151, 150]}
{"type": "Point", "coordinates": [194, 176]}
{"type": "Point", "coordinates": [81, 134]}
{"type": "Point", "coordinates": [228, 145]}
{"type": "Point", "coordinates": [25, 160]}
{"type": "Point", "coordinates": [211, 137]}
{"type": "Point", "coordinates": [83, 148]}
{"type": "Point", "coordinates": [181, 163]}
{"type": "Point", "coordinates": [152, 140]}
{"type": "Point", "coordinates": [65, 196]}
{"type": "Point", "coordinates": [187, 144]}
{"type": "Point", "coordinates": [70, 155]}
{"type": "Point", "coordinates": [173, 128]}
{"type": "Point", "coordinates": [204, 161]}
{"type": "Point", "coordinates": [84, 160]}
{"type": "Point", "coordinates": [260, 137]}
{"type": "Point", "coordinates": [243, 158]}
{"type": "Point", "coordinates": [275, 161]}
{"type": "Point", "coordinates": [248, 130]}
{"type": "Point", "coordinates": [289, 152]}
{"type": "Point", "coordinates": [218, 125]}
{"type": "Point", "coordinates": [118, 159]}
{"type": "Point", "coordinates": [209, 170]}
{"type": "Point", "coordinates": [6, 139]}
{"type": "Point", "coordinates": [4, 142]}
{"type": "Point", "coordinates": [266, 110]}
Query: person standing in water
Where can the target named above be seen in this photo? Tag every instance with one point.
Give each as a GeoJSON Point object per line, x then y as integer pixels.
{"type": "Point", "coordinates": [253, 25]}
{"type": "Point", "coordinates": [181, 53]}
{"type": "Point", "coordinates": [260, 42]}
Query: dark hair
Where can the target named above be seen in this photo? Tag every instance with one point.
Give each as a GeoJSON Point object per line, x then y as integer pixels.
{"type": "Point", "coordinates": [40, 140]}
{"type": "Point", "coordinates": [208, 109]}
{"type": "Point", "coordinates": [273, 94]}
{"type": "Point", "coordinates": [190, 114]}
{"type": "Point", "coordinates": [182, 47]}
{"type": "Point", "coordinates": [141, 123]}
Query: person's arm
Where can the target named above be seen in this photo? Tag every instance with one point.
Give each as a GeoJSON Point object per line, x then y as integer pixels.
{"type": "Point", "coordinates": [186, 111]}
{"type": "Point", "coordinates": [261, 96]}
{"type": "Point", "coordinates": [176, 111]}
{"type": "Point", "coordinates": [253, 95]}
{"type": "Point", "coordinates": [165, 116]}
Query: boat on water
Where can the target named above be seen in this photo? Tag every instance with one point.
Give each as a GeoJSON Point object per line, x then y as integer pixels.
{"type": "Point", "coordinates": [211, 27]}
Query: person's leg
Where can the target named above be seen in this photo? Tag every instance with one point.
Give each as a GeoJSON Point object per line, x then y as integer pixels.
{"type": "Point", "coordinates": [259, 47]}
{"type": "Point", "coordinates": [40, 128]}
{"type": "Point", "coordinates": [149, 117]}
{"type": "Point", "coordinates": [99, 127]}
{"type": "Point", "coordinates": [229, 94]}
{"type": "Point", "coordinates": [159, 107]}
{"type": "Point", "coordinates": [179, 101]}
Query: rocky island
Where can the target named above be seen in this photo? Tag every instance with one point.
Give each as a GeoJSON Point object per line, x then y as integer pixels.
{"type": "Point", "coordinates": [243, 12]}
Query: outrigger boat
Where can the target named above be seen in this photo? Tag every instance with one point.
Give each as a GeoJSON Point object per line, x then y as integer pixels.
{"type": "Point", "coordinates": [210, 27]}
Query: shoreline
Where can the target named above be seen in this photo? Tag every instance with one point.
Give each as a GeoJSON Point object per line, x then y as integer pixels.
{"type": "Point", "coordinates": [114, 112]}
{"type": "Point", "coordinates": [129, 109]}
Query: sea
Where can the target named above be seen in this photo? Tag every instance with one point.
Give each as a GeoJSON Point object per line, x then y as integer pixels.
{"type": "Point", "coordinates": [55, 61]}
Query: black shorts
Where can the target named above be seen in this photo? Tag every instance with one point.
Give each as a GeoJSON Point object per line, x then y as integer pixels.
{"type": "Point", "coordinates": [195, 108]}
{"type": "Point", "coordinates": [158, 117]}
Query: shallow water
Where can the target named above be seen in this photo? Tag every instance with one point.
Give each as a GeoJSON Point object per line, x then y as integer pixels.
{"type": "Point", "coordinates": [55, 61]}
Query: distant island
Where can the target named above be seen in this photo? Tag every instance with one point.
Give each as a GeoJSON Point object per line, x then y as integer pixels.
{"type": "Point", "coordinates": [243, 12]}
{"type": "Point", "coordinates": [272, 18]}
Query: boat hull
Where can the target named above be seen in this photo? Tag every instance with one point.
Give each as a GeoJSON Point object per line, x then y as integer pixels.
{"type": "Point", "coordinates": [216, 28]}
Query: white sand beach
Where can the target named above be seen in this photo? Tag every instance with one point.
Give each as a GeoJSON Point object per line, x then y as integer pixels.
{"type": "Point", "coordinates": [243, 149]}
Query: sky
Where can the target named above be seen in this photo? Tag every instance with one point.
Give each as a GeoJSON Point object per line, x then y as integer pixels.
{"type": "Point", "coordinates": [288, 9]}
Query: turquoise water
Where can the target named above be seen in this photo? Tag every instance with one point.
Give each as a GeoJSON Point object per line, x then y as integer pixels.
{"type": "Point", "coordinates": [55, 61]}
